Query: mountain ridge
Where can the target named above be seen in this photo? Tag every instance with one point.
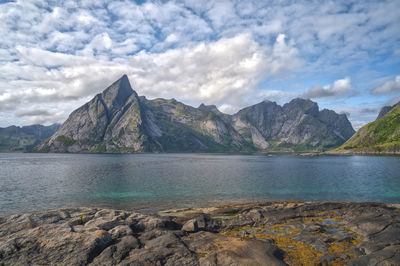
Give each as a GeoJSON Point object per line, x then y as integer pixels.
{"type": "Point", "coordinates": [118, 120]}
{"type": "Point", "coordinates": [385, 110]}
{"type": "Point", "coordinates": [15, 138]}
{"type": "Point", "coordinates": [381, 136]}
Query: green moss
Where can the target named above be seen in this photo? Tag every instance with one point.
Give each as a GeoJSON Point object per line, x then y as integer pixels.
{"type": "Point", "coordinates": [231, 214]}
{"type": "Point", "coordinates": [100, 148]}
{"type": "Point", "coordinates": [209, 116]}
{"type": "Point", "coordinates": [44, 150]}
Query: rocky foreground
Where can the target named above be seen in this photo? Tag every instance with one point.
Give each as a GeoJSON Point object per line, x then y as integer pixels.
{"type": "Point", "coordinates": [294, 233]}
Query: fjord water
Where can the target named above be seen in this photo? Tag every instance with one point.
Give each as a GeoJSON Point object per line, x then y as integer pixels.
{"type": "Point", "coordinates": [150, 182]}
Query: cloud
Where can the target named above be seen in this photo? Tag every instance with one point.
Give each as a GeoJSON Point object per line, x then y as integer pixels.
{"type": "Point", "coordinates": [66, 51]}
{"type": "Point", "coordinates": [100, 43]}
{"type": "Point", "coordinates": [394, 101]}
{"type": "Point", "coordinates": [33, 112]}
{"type": "Point", "coordinates": [222, 13]}
{"type": "Point", "coordinates": [340, 88]}
{"type": "Point", "coordinates": [279, 96]}
{"type": "Point", "coordinates": [388, 87]}
{"type": "Point", "coordinates": [226, 71]}
{"type": "Point", "coordinates": [223, 72]}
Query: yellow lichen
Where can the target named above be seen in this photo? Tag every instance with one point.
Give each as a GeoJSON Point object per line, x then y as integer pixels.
{"type": "Point", "coordinates": [201, 254]}
{"type": "Point", "coordinates": [100, 233]}
{"type": "Point", "coordinates": [298, 252]}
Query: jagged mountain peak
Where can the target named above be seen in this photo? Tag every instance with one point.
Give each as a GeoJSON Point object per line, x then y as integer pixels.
{"type": "Point", "coordinates": [385, 110]}
{"type": "Point", "coordinates": [302, 105]}
{"type": "Point", "coordinates": [115, 95]}
{"type": "Point", "coordinates": [268, 101]}
{"type": "Point", "coordinates": [305, 103]}
{"type": "Point", "coordinates": [210, 107]}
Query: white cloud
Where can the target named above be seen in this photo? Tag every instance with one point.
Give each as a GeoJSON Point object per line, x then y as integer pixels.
{"type": "Point", "coordinates": [388, 87]}
{"type": "Point", "coordinates": [279, 96]}
{"type": "Point", "coordinates": [340, 88]}
{"type": "Point", "coordinates": [98, 45]}
{"type": "Point", "coordinates": [223, 72]}
{"type": "Point", "coordinates": [50, 50]}
{"type": "Point", "coordinates": [33, 112]}
{"type": "Point", "coordinates": [40, 57]}
{"type": "Point", "coordinates": [222, 13]}
{"type": "Point", "coordinates": [172, 38]}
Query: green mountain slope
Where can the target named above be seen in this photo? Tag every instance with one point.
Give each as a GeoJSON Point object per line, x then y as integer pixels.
{"type": "Point", "coordinates": [382, 135]}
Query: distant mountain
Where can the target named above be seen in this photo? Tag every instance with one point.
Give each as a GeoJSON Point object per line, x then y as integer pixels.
{"type": "Point", "coordinates": [380, 136]}
{"type": "Point", "coordinates": [118, 120]}
{"type": "Point", "coordinates": [14, 138]}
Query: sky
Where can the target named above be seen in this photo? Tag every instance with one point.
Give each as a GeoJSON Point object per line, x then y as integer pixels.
{"type": "Point", "coordinates": [56, 55]}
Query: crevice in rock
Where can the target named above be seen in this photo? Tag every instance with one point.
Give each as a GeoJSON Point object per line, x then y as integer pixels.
{"type": "Point", "coordinates": [383, 229]}
{"type": "Point", "coordinates": [379, 262]}
{"type": "Point", "coordinates": [117, 118]}
{"type": "Point", "coordinates": [107, 115]}
{"type": "Point", "coordinates": [96, 251]}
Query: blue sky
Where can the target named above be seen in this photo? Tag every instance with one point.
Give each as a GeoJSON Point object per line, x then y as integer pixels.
{"type": "Point", "coordinates": [56, 55]}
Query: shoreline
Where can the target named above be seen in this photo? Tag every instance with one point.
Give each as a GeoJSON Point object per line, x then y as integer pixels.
{"type": "Point", "coordinates": [364, 152]}
{"type": "Point", "coordinates": [256, 153]}
{"type": "Point", "coordinates": [273, 233]}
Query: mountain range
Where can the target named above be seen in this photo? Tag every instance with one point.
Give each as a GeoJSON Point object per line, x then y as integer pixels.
{"type": "Point", "coordinates": [15, 138]}
{"type": "Point", "coordinates": [118, 120]}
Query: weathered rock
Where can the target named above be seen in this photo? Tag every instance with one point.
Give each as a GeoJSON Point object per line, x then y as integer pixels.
{"type": "Point", "coordinates": [245, 234]}
{"type": "Point", "coordinates": [215, 249]}
{"type": "Point", "coordinates": [114, 254]}
{"type": "Point", "coordinates": [121, 231]}
{"type": "Point", "coordinates": [190, 226]}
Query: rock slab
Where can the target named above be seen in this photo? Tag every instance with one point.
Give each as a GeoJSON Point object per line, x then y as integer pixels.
{"type": "Point", "coordinates": [275, 233]}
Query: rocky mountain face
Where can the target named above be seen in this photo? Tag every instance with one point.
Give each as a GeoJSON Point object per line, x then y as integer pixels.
{"type": "Point", "coordinates": [385, 110]}
{"type": "Point", "coordinates": [14, 138]}
{"type": "Point", "coordinates": [118, 120]}
{"type": "Point", "coordinates": [380, 136]}
{"type": "Point", "coordinates": [111, 121]}
{"type": "Point", "coordinates": [297, 124]}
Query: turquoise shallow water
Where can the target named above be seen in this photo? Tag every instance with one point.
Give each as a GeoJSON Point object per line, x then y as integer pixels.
{"type": "Point", "coordinates": [150, 182]}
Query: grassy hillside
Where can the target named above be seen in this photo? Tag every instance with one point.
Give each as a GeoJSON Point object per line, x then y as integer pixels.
{"type": "Point", "coordinates": [382, 135]}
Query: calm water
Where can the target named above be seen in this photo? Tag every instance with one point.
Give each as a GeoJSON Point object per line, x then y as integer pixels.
{"type": "Point", "coordinates": [149, 182]}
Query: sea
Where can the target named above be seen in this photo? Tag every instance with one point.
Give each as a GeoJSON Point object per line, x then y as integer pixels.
{"type": "Point", "coordinates": [152, 182]}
